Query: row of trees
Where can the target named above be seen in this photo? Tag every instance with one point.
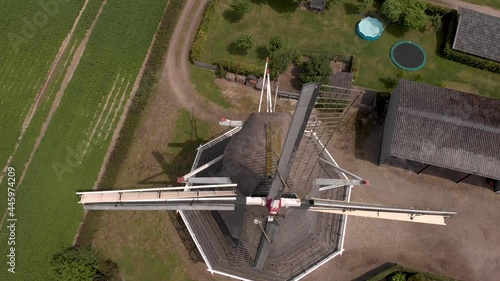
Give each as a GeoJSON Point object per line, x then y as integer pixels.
{"type": "Point", "coordinates": [407, 13]}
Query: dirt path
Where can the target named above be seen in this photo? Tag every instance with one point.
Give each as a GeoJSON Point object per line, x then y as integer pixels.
{"type": "Point", "coordinates": [456, 3]}
{"type": "Point", "coordinates": [48, 81]}
{"type": "Point", "coordinates": [55, 104]}
{"type": "Point", "coordinates": [176, 75]}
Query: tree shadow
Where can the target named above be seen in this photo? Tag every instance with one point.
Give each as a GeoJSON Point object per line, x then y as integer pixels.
{"type": "Point", "coordinates": [262, 52]}
{"type": "Point", "coordinates": [389, 82]}
{"type": "Point", "coordinates": [234, 50]}
{"type": "Point", "coordinates": [351, 9]}
{"type": "Point", "coordinates": [280, 7]}
{"type": "Point", "coordinates": [395, 30]}
{"type": "Point", "coordinates": [175, 165]}
{"type": "Point", "coordinates": [231, 16]}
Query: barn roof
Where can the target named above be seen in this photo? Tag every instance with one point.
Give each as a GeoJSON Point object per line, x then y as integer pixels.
{"type": "Point", "coordinates": [478, 34]}
{"type": "Point", "coordinates": [447, 128]}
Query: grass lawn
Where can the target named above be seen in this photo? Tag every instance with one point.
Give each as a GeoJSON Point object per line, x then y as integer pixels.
{"type": "Point", "coordinates": [203, 80]}
{"type": "Point", "coordinates": [139, 241]}
{"type": "Point", "coordinates": [334, 31]}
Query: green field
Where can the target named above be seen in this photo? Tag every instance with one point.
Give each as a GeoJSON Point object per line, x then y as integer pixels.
{"type": "Point", "coordinates": [31, 37]}
{"type": "Point", "coordinates": [46, 204]}
{"type": "Point", "coordinates": [333, 31]}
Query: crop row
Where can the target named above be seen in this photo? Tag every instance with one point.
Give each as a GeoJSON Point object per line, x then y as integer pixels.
{"type": "Point", "coordinates": [47, 202]}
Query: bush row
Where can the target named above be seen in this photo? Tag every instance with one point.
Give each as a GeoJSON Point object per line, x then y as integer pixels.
{"type": "Point", "coordinates": [239, 68]}
{"type": "Point", "coordinates": [436, 10]}
{"type": "Point", "coordinates": [355, 64]}
{"type": "Point", "coordinates": [149, 79]}
{"type": "Point", "coordinates": [412, 273]}
{"type": "Point", "coordinates": [201, 36]}
{"type": "Point", "coordinates": [450, 22]}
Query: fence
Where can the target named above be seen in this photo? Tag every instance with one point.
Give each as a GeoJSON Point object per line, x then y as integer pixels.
{"type": "Point", "coordinates": [206, 65]}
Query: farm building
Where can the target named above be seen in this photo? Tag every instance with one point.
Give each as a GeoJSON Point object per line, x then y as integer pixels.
{"type": "Point", "coordinates": [441, 131]}
{"type": "Point", "coordinates": [478, 34]}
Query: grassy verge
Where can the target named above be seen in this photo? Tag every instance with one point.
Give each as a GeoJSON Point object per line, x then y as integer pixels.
{"type": "Point", "coordinates": [46, 202]}
{"type": "Point", "coordinates": [140, 241]}
{"type": "Point", "coordinates": [204, 82]}
{"type": "Point", "coordinates": [333, 31]}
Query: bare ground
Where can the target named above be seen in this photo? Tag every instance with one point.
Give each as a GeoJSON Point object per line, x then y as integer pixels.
{"type": "Point", "coordinates": [467, 248]}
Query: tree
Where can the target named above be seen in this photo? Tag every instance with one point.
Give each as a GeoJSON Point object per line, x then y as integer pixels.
{"type": "Point", "coordinates": [409, 13]}
{"type": "Point", "coordinates": [275, 43]}
{"type": "Point", "coordinates": [82, 264]}
{"type": "Point", "coordinates": [316, 69]}
{"type": "Point", "coordinates": [75, 264]}
{"type": "Point", "coordinates": [244, 43]}
{"type": "Point", "coordinates": [240, 7]}
{"type": "Point", "coordinates": [363, 5]}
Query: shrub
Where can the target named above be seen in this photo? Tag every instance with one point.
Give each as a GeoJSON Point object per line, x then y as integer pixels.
{"type": "Point", "coordinates": [279, 63]}
{"type": "Point", "coordinates": [398, 276]}
{"type": "Point", "coordinates": [409, 13]}
{"type": "Point", "coordinates": [316, 69]}
{"type": "Point", "coordinates": [436, 10]}
{"type": "Point", "coordinates": [201, 36]}
{"type": "Point", "coordinates": [419, 77]}
{"type": "Point", "coordinates": [363, 5]}
{"type": "Point", "coordinates": [401, 75]}
{"type": "Point", "coordinates": [297, 59]}
{"type": "Point", "coordinates": [449, 30]}
{"type": "Point", "coordinates": [275, 43]}
{"type": "Point", "coordinates": [80, 264]}
{"type": "Point", "coordinates": [239, 68]}
{"type": "Point", "coordinates": [244, 43]}
{"type": "Point", "coordinates": [240, 7]}
{"type": "Point", "coordinates": [436, 22]}
{"type": "Point", "coordinates": [75, 264]}
{"type": "Point", "coordinates": [356, 63]}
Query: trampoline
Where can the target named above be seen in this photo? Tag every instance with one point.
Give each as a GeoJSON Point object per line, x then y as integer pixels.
{"type": "Point", "coordinates": [408, 55]}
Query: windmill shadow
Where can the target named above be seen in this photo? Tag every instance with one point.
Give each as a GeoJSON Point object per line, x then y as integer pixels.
{"type": "Point", "coordinates": [177, 163]}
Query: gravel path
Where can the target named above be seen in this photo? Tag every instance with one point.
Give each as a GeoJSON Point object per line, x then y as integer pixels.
{"type": "Point", "coordinates": [456, 3]}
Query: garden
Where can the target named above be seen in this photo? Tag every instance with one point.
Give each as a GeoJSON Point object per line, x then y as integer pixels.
{"type": "Point", "coordinates": [241, 32]}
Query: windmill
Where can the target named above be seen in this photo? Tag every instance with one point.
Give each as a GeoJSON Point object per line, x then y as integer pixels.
{"type": "Point", "coordinates": [266, 200]}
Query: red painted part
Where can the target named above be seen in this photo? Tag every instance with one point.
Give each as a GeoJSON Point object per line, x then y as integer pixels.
{"type": "Point", "coordinates": [273, 210]}
{"type": "Point", "coordinates": [222, 119]}
{"type": "Point", "coordinates": [365, 182]}
{"type": "Point", "coordinates": [180, 180]}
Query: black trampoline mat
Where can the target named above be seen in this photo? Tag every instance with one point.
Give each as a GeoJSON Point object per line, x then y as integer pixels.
{"type": "Point", "coordinates": [408, 55]}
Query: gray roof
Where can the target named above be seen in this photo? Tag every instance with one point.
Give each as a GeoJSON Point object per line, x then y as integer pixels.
{"type": "Point", "coordinates": [478, 34]}
{"type": "Point", "coordinates": [341, 79]}
{"type": "Point", "coordinates": [317, 4]}
{"type": "Point", "coordinates": [447, 128]}
{"type": "Point", "coordinates": [230, 240]}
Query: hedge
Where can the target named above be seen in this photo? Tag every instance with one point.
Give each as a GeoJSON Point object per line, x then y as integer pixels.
{"type": "Point", "coordinates": [436, 10]}
{"type": "Point", "coordinates": [141, 98]}
{"type": "Point", "coordinates": [240, 68]}
{"type": "Point", "coordinates": [201, 36]}
{"type": "Point", "coordinates": [450, 22]}
{"type": "Point", "coordinates": [407, 271]}
{"type": "Point", "coordinates": [356, 63]}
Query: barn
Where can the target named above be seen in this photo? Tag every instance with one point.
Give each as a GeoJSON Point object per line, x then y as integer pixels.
{"type": "Point", "coordinates": [443, 132]}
